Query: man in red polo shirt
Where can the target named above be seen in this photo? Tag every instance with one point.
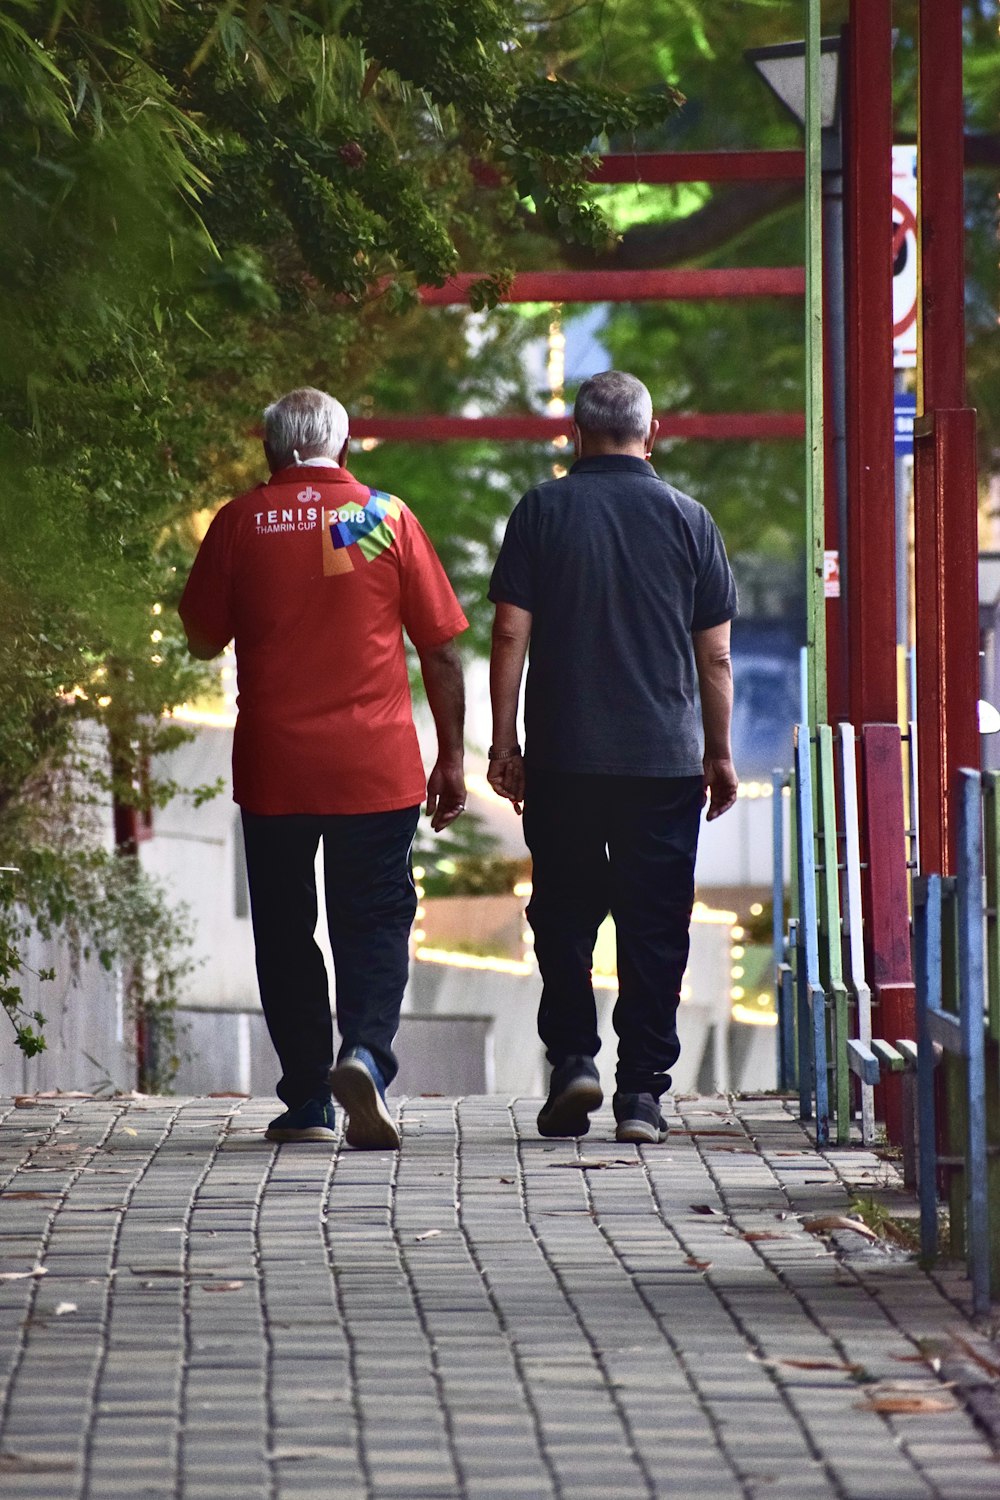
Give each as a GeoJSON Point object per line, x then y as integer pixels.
{"type": "Point", "coordinates": [316, 576]}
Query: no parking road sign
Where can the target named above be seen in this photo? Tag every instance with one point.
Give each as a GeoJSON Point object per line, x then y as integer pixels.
{"type": "Point", "coordinates": [904, 257]}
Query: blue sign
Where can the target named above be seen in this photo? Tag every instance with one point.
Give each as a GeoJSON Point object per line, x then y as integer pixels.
{"type": "Point", "coordinates": [904, 409]}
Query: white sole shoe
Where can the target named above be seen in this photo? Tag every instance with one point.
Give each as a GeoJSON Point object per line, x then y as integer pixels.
{"type": "Point", "coordinates": [370, 1126]}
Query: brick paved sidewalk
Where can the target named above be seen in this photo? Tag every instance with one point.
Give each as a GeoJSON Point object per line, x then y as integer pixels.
{"type": "Point", "coordinates": [484, 1315]}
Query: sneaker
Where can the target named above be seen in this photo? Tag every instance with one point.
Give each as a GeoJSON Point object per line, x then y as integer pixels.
{"type": "Point", "coordinates": [639, 1119]}
{"type": "Point", "coordinates": [358, 1087]}
{"type": "Point", "coordinates": [574, 1091]}
{"type": "Point", "coordinates": [313, 1121]}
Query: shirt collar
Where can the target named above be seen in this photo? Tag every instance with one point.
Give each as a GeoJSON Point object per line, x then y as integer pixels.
{"type": "Point", "coordinates": [326, 473]}
{"type": "Point", "coordinates": [318, 463]}
{"type": "Point", "coordinates": [613, 463]}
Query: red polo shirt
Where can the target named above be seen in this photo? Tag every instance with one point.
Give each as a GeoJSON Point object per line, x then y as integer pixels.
{"type": "Point", "coordinates": [316, 576]}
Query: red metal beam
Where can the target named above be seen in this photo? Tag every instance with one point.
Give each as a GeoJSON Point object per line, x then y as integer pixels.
{"type": "Point", "coordinates": [630, 286]}
{"type": "Point", "coordinates": [870, 458]}
{"type": "Point", "coordinates": [945, 499]}
{"type": "Point", "coordinates": [701, 166]}
{"type": "Point", "coordinates": [745, 426]}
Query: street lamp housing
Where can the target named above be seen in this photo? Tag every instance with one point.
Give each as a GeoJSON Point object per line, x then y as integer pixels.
{"type": "Point", "coordinates": [783, 69]}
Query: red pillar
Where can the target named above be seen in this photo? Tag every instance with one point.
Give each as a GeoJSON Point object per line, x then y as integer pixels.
{"type": "Point", "coordinates": [870, 459]}
{"type": "Point", "coordinates": [872, 525]}
{"type": "Point", "coordinates": [945, 500]}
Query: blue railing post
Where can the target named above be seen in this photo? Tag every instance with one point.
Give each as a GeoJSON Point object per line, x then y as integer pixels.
{"type": "Point", "coordinates": [928, 958]}
{"type": "Point", "coordinates": [972, 1007]}
{"type": "Point", "coordinates": [783, 990]}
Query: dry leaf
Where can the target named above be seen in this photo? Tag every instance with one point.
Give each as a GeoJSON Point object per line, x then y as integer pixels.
{"type": "Point", "coordinates": [62, 1308]}
{"type": "Point", "coordinates": [19, 1197]}
{"type": "Point", "coordinates": [703, 1208]}
{"type": "Point", "coordinates": [23, 1275]}
{"type": "Point", "coordinates": [989, 1365]}
{"type": "Point", "coordinates": [899, 1405]}
{"type": "Point", "coordinates": [428, 1234]}
{"type": "Point", "coordinates": [907, 1359]}
{"type": "Point", "coordinates": [64, 1147]}
{"type": "Point", "coordinates": [127, 1130]}
{"type": "Point", "coordinates": [741, 1134]}
{"type": "Point", "coordinates": [752, 1235]}
{"type": "Point", "coordinates": [507, 1180]}
{"type": "Point", "coordinates": [227, 1094]}
{"type": "Point", "coordinates": [20, 1463]}
{"type": "Point", "coordinates": [596, 1166]}
{"type": "Point", "coordinates": [699, 1265]}
{"type": "Point", "coordinates": [827, 1223]}
{"type": "Point", "coordinates": [222, 1286]}
{"type": "Point", "coordinates": [818, 1364]}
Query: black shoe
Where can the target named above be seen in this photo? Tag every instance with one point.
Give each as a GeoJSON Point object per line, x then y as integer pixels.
{"type": "Point", "coordinates": [574, 1090]}
{"type": "Point", "coordinates": [313, 1121]}
{"type": "Point", "coordinates": [639, 1119]}
{"type": "Point", "coordinates": [359, 1089]}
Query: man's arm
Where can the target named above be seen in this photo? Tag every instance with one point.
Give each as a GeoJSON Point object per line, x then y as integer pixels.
{"type": "Point", "coordinates": [441, 669]}
{"type": "Point", "coordinates": [715, 684]}
{"type": "Point", "coordinates": [511, 633]}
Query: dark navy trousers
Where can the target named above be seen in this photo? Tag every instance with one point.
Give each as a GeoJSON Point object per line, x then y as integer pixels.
{"type": "Point", "coordinates": [370, 905]}
{"type": "Point", "coordinates": [624, 845]}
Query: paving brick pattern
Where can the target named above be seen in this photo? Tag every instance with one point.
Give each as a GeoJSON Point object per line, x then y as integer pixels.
{"type": "Point", "coordinates": [485, 1314]}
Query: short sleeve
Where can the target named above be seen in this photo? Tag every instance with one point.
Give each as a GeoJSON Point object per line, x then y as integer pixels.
{"type": "Point", "coordinates": [513, 574]}
{"type": "Point", "coordinates": [715, 598]}
{"type": "Point", "coordinates": [206, 603]}
{"type": "Point", "coordinates": [431, 613]}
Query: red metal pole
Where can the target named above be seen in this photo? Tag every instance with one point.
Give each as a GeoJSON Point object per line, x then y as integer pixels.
{"type": "Point", "coordinates": [740, 425]}
{"type": "Point", "coordinates": [630, 286]}
{"type": "Point", "coordinates": [945, 499]}
{"type": "Point", "coordinates": [871, 581]}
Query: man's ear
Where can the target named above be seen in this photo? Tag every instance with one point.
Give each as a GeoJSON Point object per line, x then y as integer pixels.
{"type": "Point", "coordinates": [654, 428]}
{"type": "Point", "coordinates": [342, 455]}
{"type": "Point", "coordinates": [577, 440]}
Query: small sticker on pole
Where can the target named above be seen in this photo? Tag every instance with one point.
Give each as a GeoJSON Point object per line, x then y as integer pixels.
{"type": "Point", "coordinates": [831, 575]}
{"type": "Point", "coordinates": [905, 285]}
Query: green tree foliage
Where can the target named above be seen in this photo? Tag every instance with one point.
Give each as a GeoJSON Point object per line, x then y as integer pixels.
{"type": "Point", "coordinates": [203, 204]}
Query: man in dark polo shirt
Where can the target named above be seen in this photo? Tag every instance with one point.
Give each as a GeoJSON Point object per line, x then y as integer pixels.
{"type": "Point", "coordinates": [317, 576]}
{"type": "Point", "coordinates": [621, 583]}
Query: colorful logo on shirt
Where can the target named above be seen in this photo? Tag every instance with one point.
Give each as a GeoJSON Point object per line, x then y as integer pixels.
{"type": "Point", "coordinates": [351, 530]}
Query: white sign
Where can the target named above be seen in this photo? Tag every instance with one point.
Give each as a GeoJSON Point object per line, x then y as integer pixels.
{"type": "Point", "coordinates": [904, 257]}
{"type": "Point", "coordinates": [831, 575]}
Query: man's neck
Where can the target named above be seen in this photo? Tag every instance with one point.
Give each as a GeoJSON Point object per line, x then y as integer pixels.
{"type": "Point", "coordinates": [319, 462]}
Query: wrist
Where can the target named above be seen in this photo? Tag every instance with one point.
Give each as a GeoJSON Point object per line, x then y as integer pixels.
{"type": "Point", "coordinates": [504, 752]}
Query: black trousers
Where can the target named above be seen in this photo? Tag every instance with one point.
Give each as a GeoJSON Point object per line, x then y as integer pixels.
{"type": "Point", "coordinates": [370, 905]}
{"type": "Point", "coordinates": [624, 845]}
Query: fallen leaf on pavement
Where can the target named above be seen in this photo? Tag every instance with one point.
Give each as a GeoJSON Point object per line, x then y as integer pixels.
{"type": "Point", "coordinates": [62, 1308]}
{"type": "Point", "coordinates": [227, 1094]}
{"type": "Point", "coordinates": [810, 1364]}
{"type": "Point", "coordinates": [703, 1208]}
{"type": "Point", "coordinates": [596, 1166]}
{"type": "Point", "coordinates": [507, 1180]}
{"type": "Point", "coordinates": [762, 1234]}
{"type": "Point", "coordinates": [19, 1197]}
{"type": "Point", "coordinates": [741, 1134]}
{"type": "Point", "coordinates": [127, 1130]}
{"type": "Point", "coordinates": [827, 1223]}
{"type": "Point", "coordinates": [222, 1286]}
{"type": "Point", "coordinates": [20, 1463]}
{"type": "Point", "coordinates": [989, 1365]}
{"type": "Point", "coordinates": [23, 1275]}
{"type": "Point", "coordinates": [903, 1406]}
{"type": "Point", "coordinates": [428, 1234]}
{"type": "Point", "coordinates": [699, 1265]}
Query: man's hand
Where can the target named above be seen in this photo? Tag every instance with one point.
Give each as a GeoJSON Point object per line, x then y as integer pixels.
{"type": "Point", "coordinates": [721, 784]}
{"type": "Point", "coordinates": [506, 777]}
{"type": "Point", "coordinates": [446, 792]}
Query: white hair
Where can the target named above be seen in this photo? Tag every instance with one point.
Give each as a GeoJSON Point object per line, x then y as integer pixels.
{"type": "Point", "coordinates": [615, 404]}
{"type": "Point", "coordinates": [305, 424]}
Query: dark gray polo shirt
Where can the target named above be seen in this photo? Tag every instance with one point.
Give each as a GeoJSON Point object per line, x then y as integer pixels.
{"type": "Point", "coordinates": [617, 568]}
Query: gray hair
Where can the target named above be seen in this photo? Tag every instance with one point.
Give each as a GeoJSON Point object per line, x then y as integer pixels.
{"type": "Point", "coordinates": [615, 404]}
{"type": "Point", "coordinates": [306, 422]}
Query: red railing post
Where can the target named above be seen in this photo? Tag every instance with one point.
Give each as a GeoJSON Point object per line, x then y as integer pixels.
{"type": "Point", "coordinates": [945, 499]}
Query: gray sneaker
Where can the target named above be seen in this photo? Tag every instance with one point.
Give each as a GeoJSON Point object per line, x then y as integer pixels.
{"type": "Point", "coordinates": [639, 1119]}
{"type": "Point", "coordinates": [574, 1091]}
{"type": "Point", "coordinates": [357, 1085]}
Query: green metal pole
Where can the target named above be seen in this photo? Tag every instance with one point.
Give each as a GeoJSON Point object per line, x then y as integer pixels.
{"type": "Point", "coordinates": [815, 524]}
